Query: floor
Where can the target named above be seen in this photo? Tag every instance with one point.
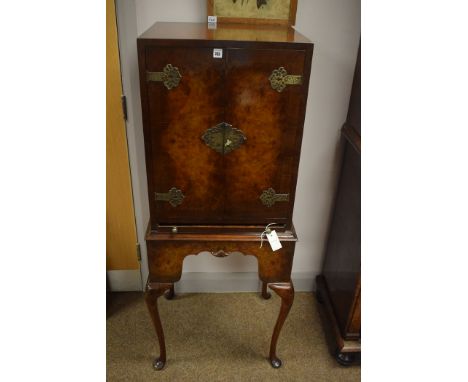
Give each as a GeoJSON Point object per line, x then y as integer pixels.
{"type": "Point", "coordinates": [219, 337]}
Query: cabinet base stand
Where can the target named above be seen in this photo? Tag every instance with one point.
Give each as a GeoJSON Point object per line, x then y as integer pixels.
{"type": "Point", "coordinates": [167, 253]}
{"type": "Point", "coordinates": [284, 290]}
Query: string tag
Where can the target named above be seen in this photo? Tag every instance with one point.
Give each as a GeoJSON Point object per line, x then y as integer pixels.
{"type": "Point", "coordinates": [274, 241]}
{"type": "Point", "coordinates": [272, 238]}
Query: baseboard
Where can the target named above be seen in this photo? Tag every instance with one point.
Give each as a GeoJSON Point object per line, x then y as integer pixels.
{"type": "Point", "coordinates": [124, 281]}
{"type": "Point", "coordinates": [224, 282]}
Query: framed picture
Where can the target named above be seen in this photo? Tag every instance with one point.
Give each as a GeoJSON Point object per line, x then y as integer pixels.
{"type": "Point", "coordinates": [270, 12]}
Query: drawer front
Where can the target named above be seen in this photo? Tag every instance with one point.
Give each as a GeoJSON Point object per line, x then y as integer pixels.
{"type": "Point", "coordinates": [261, 174]}
{"type": "Point", "coordinates": [185, 178]}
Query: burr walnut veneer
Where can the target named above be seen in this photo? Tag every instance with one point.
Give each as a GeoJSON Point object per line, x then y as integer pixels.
{"type": "Point", "coordinates": [223, 113]}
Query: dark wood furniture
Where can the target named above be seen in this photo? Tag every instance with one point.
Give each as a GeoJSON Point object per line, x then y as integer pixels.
{"type": "Point", "coordinates": [339, 285]}
{"type": "Point", "coordinates": [223, 113]}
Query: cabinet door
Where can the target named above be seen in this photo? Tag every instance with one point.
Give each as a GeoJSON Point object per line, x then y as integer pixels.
{"type": "Point", "coordinates": [271, 121]}
{"type": "Point", "coordinates": [175, 121]}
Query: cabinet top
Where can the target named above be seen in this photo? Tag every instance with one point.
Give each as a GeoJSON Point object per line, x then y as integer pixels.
{"type": "Point", "coordinates": [223, 32]}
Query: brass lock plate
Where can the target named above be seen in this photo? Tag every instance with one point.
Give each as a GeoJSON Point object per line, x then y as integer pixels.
{"type": "Point", "coordinates": [223, 138]}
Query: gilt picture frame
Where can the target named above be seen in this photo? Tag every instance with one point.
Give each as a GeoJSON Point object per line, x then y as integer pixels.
{"type": "Point", "coordinates": [266, 12]}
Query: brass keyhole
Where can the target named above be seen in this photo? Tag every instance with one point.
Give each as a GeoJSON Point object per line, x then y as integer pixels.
{"type": "Point", "coordinates": [223, 138]}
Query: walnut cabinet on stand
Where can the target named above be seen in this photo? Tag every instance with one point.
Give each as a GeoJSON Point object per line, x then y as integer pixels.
{"type": "Point", "coordinates": [223, 114]}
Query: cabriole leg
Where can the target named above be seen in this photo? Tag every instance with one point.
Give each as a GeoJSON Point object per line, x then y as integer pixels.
{"type": "Point", "coordinates": [170, 294]}
{"type": "Point", "coordinates": [265, 294]}
{"type": "Point", "coordinates": [286, 292]}
{"type": "Point", "coordinates": [153, 292]}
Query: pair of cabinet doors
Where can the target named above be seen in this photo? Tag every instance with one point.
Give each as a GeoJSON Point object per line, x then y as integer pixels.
{"type": "Point", "coordinates": [222, 145]}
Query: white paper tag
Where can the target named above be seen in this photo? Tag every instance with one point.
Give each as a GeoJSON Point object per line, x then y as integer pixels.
{"type": "Point", "coordinates": [212, 25]}
{"type": "Point", "coordinates": [273, 240]}
{"type": "Point", "coordinates": [212, 19]}
{"type": "Point", "coordinates": [217, 53]}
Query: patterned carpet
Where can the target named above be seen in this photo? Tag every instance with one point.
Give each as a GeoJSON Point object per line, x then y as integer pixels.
{"type": "Point", "coordinates": [219, 337]}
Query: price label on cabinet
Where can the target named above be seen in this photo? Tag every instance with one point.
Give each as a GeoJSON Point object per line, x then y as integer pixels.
{"type": "Point", "coordinates": [274, 240]}
{"type": "Point", "coordinates": [217, 53]}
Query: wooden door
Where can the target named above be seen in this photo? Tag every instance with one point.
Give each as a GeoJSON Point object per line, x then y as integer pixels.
{"type": "Point", "coordinates": [121, 236]}
{"type": "Point", "coordinates": [272, 123]}
{"type": "Point", "coordinates": [176, 117]}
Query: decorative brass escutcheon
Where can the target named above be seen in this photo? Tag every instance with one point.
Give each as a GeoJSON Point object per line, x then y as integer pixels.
{"type": "Point", "coordinates": [223, 138]}
{"type": "Point", "coordinates": [170, 76]}
{"type": "Point", "coordinates": [220, 253]}
{"type": "Point", "coordinates": [174, 197]}
{"type": "Point", "coordinates": [280, 78]}
{"type": "Point", "coordinates": [270, 197]}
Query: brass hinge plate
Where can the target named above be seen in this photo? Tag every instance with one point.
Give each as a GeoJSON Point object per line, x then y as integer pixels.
{"type": "Point", "coordinates": [170, 76]}
{"type": "Point", "coordinates": [270, 197]}
{"type": "Point", "coordinates": [138, 251]}
{"type": "Point", "coordinates": [124, 107]}
{"type": "Point", "coordinates": [174, 197]}
{"type": "Point", "coordinates": [280, 78]}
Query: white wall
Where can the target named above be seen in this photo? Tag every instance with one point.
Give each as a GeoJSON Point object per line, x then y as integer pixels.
{"type": "Point", "coordinates": [334, 27]}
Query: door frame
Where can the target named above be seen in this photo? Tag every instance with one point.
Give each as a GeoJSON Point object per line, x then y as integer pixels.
{"type": "Point", "coordinates": [132, 279]}
{"type": "Point", "coordinates": [127, 35]}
